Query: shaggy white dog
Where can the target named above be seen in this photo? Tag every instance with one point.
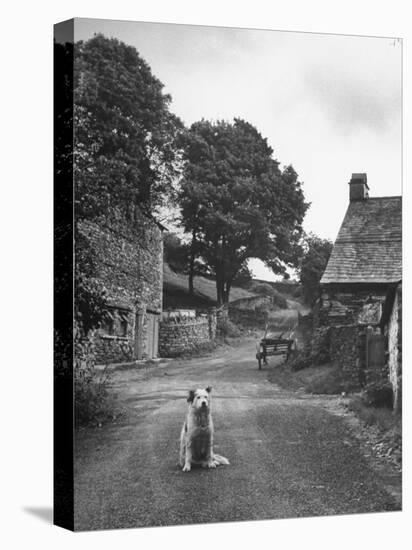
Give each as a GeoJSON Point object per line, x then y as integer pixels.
{"type": "Point", "coordinates": [196, 439]}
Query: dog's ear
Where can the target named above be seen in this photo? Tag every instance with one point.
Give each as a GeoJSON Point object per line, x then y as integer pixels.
{"type": "Point", "coordinates": [209, 389]}
{"type": "Point", "coordinates": [191, 396]}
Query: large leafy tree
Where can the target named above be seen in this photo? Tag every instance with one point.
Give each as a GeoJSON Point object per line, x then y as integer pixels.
{"type": "Point", "coordinates": [316, 252]}
{"type": "Point", "coordinates": [237, 203]}
{"type": "Point", "coordinates": [125, 136]}
{"type": "Point", "coordinates": [125, 150]}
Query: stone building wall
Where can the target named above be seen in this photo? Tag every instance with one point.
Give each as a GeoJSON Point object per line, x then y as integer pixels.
{"type": "Point", "coordinates": [128, 257]}
{"type": "Point", "coordinates": [349, 310]}
{"type": "Point", "coordinates": [347, 348]}
{"type": "Point", "coordinates": [348, 305]}
{"type": "Point", "coordinates": [182, 334]}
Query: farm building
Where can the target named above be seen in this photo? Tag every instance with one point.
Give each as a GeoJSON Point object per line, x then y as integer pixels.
{"type": "Point", "coordinates": [128, 257]}
{"type": "Point", "coordinates": [361, 295]}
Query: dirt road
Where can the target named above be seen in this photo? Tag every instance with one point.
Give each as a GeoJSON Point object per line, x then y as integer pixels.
{"type": "Point", "coordinates": [290, 457]}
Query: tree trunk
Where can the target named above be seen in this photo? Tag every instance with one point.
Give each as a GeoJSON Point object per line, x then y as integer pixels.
{"type": "Point", "coordinates": [227, 291]}
{"type": "Point", "coordinates": [219, 287]}
{"type": "Point", "coordinates": [192, 263]}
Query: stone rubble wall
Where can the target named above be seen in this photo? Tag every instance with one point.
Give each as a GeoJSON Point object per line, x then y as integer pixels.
{"type": "Point", "coordinates": [347, 348]}
{"type": "Point", "coordinates": [182, 334]}
{"type": "Point", "coordinates": [347, 312]}
{"type": "Point", "coordinates": [250, 312]}
{"type": "Point", "coordinates": [350, 307]}
{"type": "Point", "coordinates": [128, 255]}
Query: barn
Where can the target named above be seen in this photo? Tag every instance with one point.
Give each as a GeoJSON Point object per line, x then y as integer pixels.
{"type": "Point", "coordinates": [361, 295]}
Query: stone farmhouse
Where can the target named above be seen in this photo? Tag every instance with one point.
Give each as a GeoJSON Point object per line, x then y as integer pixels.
{"type": "Point", "coordinates": [128, 255]}
{"type": "Point", "coordinates": [361, 295]}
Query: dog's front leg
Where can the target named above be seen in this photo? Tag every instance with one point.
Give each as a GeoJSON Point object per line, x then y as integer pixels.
{"type": "Point", "coordinates": [211, 463]}
{"type": "Point", "coordinates": [188, 459]}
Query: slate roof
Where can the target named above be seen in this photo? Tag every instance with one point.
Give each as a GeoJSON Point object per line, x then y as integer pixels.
{"type": "Point", "coordinates": [368, 248]}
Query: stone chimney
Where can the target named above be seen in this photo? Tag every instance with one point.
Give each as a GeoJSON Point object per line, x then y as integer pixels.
{"type": "Point", "coordinates": [358, 188]}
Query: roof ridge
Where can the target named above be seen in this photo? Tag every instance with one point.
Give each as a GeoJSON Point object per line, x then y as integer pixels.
{"type": "Point", "coordinates": [373, 198]}
{"type": "Point", "coordinates": [390, 239]}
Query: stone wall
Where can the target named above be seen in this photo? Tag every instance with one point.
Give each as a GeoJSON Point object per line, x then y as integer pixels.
{"type": "Point", "coordinates": [117, 347]}
{"type": "Point", "coordinates": [348, 310]}
{"type": "Point", "coordinates": [250, 312]}
{"type": "Point", "coordinates": [127, 252]}
{"type": "Point", "coordinates": [351, 304]}
{"type": "Point", "coordinates": [252, 318]}
{"type": "Point", "coordinates": [185, 333]}
{"type": "Point", "coordinates": [251, 303]}
{"type": "Point", "coordinates": [347, 348]}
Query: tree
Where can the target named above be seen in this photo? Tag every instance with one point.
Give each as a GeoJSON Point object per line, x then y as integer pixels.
{"type": "Point", "coordinates": [244, 276]}
{"type": "Point", "coordinates": [236, 202]}
{"type": "Point", "coordinates": [316, 252]}
{"type": "Point", "coordinates": [125, 150]}
{"type": "Point", "coordinates": [175, 253]}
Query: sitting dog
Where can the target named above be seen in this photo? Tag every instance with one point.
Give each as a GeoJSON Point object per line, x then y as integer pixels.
{"type": "Point", "coordinates": [196, 439]}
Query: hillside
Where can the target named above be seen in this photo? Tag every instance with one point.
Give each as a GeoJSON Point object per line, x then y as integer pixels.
{"type": "Point", "coordinates": [176, 294]}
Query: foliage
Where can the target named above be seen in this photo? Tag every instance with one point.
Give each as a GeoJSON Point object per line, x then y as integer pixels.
{"type": "Point", "coordinates": [236, 202]}
{"type": "Point", "coordinates": [90, 293]}
{"type": "Point", "coordinates": [379, 394]}
{"type": "Point", "coordinates": [381, 417]}
{"type": "Point", "coordinates": [125, 140]}
{"type": "Point", "coordinates": [316, 252]}
{"type": "Point", "coordinates": [266, 289]}
{"type": "Point", "coordinates": [243, 278]}
{"type": "Point", "coordinates": [315, 352]}
{"type": "Point", "coordinates": [90, 302]}
{"type": "Point", "coordinates": [227, 328]}
{"type": "Point", "coordinates": [175, 253]}
{"type": "Point", "coordinates": [94, 401]}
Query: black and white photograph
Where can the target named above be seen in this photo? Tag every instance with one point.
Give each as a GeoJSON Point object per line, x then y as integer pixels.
{"type": "Point", "coordinates": [228, 274]}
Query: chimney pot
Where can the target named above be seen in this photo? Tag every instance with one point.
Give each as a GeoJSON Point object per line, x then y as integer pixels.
{"type": "Point", "coordinates": [358, 187]}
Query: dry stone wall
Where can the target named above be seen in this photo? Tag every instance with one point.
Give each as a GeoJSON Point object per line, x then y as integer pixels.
{"type": "Point", "coordinates": [250, 312]}
{"type": "Point", "coordinates": [183, 334]}
{"type": "Point", "coordinates": [347, 346]}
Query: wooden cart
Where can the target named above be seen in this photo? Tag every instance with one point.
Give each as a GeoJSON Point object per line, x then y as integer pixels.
{"type": "Point", "coordinates": [273, 346]}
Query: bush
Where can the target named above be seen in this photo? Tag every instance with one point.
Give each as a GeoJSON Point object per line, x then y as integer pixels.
{"type": "Point", "coordinates": [94, 402]}
{"type": "Point", "coordinates": [227, 329]}
{"type": "Point", "coordinates": [266, 289]}
{"type": "Point", "coordinates": [301, 360]}
{"type": "Point", "coordinates": [379, 394]}
{"type": "Point", "coordinates": [279, 300]}
{"type": "Point", "coordinates": [382, 417]}
{"type": "Point", "coordinates": [315, 353]}
{"type": "Point", "coordinates": [297, 292]}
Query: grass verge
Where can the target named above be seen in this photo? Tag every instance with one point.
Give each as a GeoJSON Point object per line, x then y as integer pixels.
{"type": "Point", "coordinates": [324, 379]}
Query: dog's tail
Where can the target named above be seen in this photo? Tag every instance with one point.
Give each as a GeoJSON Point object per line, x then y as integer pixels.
{"type": "Point", "coordinates": [219, 459]}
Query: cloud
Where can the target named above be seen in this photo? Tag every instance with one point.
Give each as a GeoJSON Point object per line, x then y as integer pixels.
{"type": "Point", "coordinates": [351, 102]}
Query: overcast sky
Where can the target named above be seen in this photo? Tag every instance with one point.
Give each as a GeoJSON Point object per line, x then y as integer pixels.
{"type": "Point", "coordinates": [329, 105]}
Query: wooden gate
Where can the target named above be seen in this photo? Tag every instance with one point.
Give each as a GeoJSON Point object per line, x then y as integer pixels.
{"type": "Point", "coordinates": [152, 335]}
